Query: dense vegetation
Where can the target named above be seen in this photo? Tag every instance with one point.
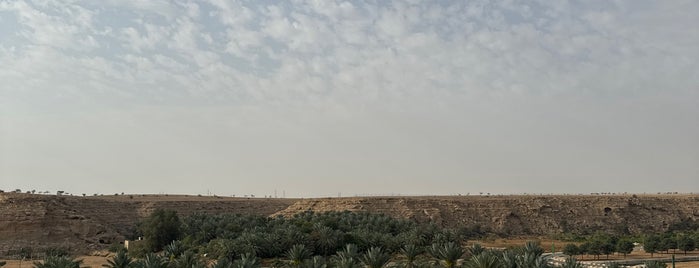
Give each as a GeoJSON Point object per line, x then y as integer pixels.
{"type": "Point", "coordinates": [322, 234]}
{"type": "Point", "coordinates": [344, 240]}
{"type": "Point", "coordinates": [605, 244]}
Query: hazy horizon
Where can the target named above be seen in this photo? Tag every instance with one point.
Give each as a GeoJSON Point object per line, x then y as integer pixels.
{"type": "Point", "coordinates": [320, 98]}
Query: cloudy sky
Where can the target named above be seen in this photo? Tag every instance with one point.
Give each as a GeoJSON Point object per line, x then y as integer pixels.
{"type": "Point", "coordinates": [320, 98]}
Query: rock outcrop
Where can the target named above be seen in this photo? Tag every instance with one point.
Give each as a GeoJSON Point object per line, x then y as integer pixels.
{"type": "Point", "coordinates": [87, 223]}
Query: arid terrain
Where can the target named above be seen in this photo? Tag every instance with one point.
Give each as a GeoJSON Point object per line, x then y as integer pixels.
{"type": "Point", "coordinates": [84, 224]}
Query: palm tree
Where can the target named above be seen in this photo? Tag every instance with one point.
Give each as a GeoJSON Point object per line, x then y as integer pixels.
{"type": "Point", "coordinates": [526, 259]}
{"type": "Point", "coordinates": [476, 249]}
{"type": "Point", "coordinates": [485, 260]}
{"type": "Point", "coordinates": [375, 258]}
{"type": "Point", "coordinates": [247, 260]}
{"type": "Point", "coordinates": [223, 263]}
{"type": "Point", "coordinates": [533, 248]}
{"type": "Point", "coordinates": [448, 253]}
{"type": "Point", "coordinates": [173, 250]}
{"type": "Point", "coordinates": [410, 252]}
{"type": "Point", "coordinates": [151, 260]}
{"type": "Point", "coordinates": [120, 260]}
{"type": "Point", "coordinates": [297, 254]}
{"type": "Point", "coordinates": [508, 259]}
{"type": "Point", "coordinates": [315, 262]}
{"type": "Point", "coordinates": [58, 262]}
{"type": "Point", "coordinates": [571, 263]}
{"type": "Point", "coordinates": [350, 251]}
{"type": "Point", "coordinates": [348, 257]}
{"type": "Point", "coordinates": [345, 263]}
{"type": "Point", "coordinates": [187, 260]}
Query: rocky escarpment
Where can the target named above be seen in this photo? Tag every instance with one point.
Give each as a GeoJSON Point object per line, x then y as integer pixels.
{"type": "Point", "coordinates": [85, 223]}
{"type": "Point", "coordinates": [526, 215]}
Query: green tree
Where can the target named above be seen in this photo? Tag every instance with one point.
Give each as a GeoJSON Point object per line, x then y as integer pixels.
{"type": "Point", "coordinates": [120, 260]}
{"type": "Point", "coordinates": [223, 263]}
{"type": "Point", "coordinates": [348, 257]}
{"type": "Point", "coordinates": [58, 262]}
{"type": "Point", "coordinates": [651, 244]}
{"type": "Point", "coordinates": [410, 252]}
{"type": "Point", "coordinates": [571, 249]}
{"type": "Point", "coordinates": [476, 249]}
{"type": "Point", "coordinates": [187, 260]}
{"type": "Point", "coordinates": [173, 250]}
{"type": "Point", "coordinates": [315, 262]}
{"type": "Point", "coordinates": [667, 243]}
{"type": "Point", "coordinates": [686, 243]}
{"type": "Point", "coordinates": [247, 260]}
{"type": "Point", "coordinates": [161, 228]}
{"type": "Point", "coordinates": [448, 253]}
{"type": "Point", "coordinates": [151, 260]}
{"type": "Point", "coordinates": [297, 254]}
{"type": "Point", "coordinates": [624, 246]}
{"type": "Point", "coordinates": [483, 260]}
{"type": "Point", "coordinates": [375, 257]}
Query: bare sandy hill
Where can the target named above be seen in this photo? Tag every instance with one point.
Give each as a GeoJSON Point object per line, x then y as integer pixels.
{"type": "Point", "coordinates": [87, 223]}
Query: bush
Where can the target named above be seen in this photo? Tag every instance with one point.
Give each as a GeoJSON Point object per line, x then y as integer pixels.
{"type": "Point", "coordinates": [161, 228]}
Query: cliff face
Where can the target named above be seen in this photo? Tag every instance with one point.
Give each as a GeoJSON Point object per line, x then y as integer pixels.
{"type": "Point", "coordinates": [527, 215]}
{"type": "Point", "coordinates": [88, 223]}
{"type": "Point", "coordinates": [84, 223]}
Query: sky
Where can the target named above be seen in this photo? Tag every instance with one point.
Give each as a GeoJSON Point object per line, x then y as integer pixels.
{"type": "Point", "coordinates": [345, 98]}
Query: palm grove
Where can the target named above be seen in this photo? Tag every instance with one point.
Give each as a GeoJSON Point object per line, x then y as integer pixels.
{"type": "Point", "coordinates": [322, 240]}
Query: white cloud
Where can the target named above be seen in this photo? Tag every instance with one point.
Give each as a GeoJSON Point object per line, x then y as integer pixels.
{"type": "Point", "coordinates": [316, 88]}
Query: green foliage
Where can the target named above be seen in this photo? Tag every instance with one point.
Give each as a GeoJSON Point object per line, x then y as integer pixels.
{"type": "Point", "coordinates": [161, 228]}
{"type": "Point", "coordinates": [173, 250]}
{"type": "Point", "coordinates": [120, 260]}
{"type": "Point", "coordinates": [115, 247]}
{"type": "Point", "coordinates": [476, 249]}
{"type": "Point", "coordinates": [375, 257]}
{"type": "Point", "coordinates": [58, 262]}
{"type": "Point", "coordinates": [571, 263]}
{"type": "Point", "coordinates": [56, 252]}
{"type": "Point", "coordinates": [571, 249]}
{"type": "Point", "coordinates": [410, 252]}
{"type": "Point", "coordinates": [315, 262]}
{"type": "Point", "coordinates": [533, 248]}
{"type": "Point", "coordinates": [447, 253]}
{"type": "Point", "coordinates": [138, 250]}
{"type": "Point", "coordinates": [223, 263]}
{"type": "Point", "coordinates": [483, 260]}
{"type": "Point", "coordinates": [297, 254]}
{"type": "Point", "coordinates": [651, 244]}
{"type": "Point", "coordinates": [686, 243]}
{"type": "Point", "coordinates": [624, 246]}
{"type": "Point", "coordinates": [247, 260]}
{"type": "Point", "coordinates": [151, 260]}
{"type": "Point", "coordinates": [187, 260]}
{"type": "Point", "coordinates": [655, 264]}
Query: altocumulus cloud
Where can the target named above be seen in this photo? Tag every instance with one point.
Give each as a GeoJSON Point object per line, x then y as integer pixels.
{"type": "Point", "coordinates": [320, 97]}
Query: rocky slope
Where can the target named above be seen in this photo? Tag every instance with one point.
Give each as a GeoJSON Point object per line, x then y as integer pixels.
{"type": "Point", "coordinates": [84, 223]}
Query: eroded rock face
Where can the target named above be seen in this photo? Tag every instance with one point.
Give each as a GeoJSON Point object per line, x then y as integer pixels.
{"type": "Point", "coordinates": [83, 224]}
{"type": "Point", "coordinates": [87, 223]}
{"type": "Point", "coordinates": [526, 215]}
